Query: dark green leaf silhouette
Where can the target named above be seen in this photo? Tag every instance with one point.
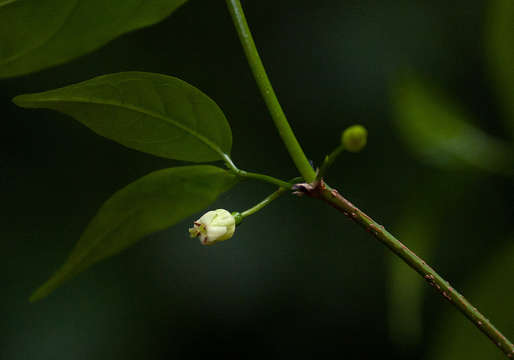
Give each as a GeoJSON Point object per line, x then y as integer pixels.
{"type": "Point", "coordinates": [153, 113]}
{"type": "Point", "coordinates": [36, 34]}
{"type": "Point", "coordinates": [152, 203]}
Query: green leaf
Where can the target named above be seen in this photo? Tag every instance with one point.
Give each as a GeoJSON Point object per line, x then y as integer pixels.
{"type": "Point", "coordinates": [500, 53]}
{"type": "Point", "coordinates": [439, 133]}
{"type": "Point", "coordinates": [36, 34]}
{"type": "Point", "coordinates": [490, 289]}
{"type": "Point", "coordinates": [151, 203]}
{"type": "Point", "coordinates": [153, 113]}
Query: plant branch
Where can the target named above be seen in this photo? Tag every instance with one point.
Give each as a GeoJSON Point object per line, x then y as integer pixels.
{"type": "Point", "coordinates": [259, 73]}
{"type": "Point", "coordinates": [329, 160]}
{"type": "Point", "coordinates": [264, 178]}
{"type": "Point", "coordinates": [264, 202]}
{"type": "Point", "coordinates": [322, 191]}
{"type": "Point", "coordinates": [249, 175]}
{"type": "Point", "coordinates": [269, 199]}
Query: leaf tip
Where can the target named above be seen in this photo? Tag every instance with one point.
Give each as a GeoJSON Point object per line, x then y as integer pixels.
{"type": "Point", "coordinates": [48, 287]}
{"type": "Point", "coordinates": [37, 295]}
{"type": "Point", "coordinates": [20, 100]}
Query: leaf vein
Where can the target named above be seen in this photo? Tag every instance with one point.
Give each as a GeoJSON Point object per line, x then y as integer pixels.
{"type": "Point", "coordinates": [44, 41]}
{"type": "Point", "coordinates": [126, 106]}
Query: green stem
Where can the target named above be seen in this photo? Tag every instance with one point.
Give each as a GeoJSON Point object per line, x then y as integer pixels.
{"type": "Point", "coordinates": [332, 197]}
{"type": "Point", "coordinates": [249, 175]}
{"type": "Point", "coordinates": [265, 178]}
{"type": "Point", "coordinates": [240, 216]}
{"type": "Point", "coordinates": [259, 73]}
{"type": "Point", "coordinates": [329, 160]}
{"type": "Point", "coordinates": [263, 203]}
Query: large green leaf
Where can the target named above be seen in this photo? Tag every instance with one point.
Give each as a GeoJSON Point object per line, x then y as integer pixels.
{"type": "Point", "coordinates": [500, 53]}
{"type": "Point", "coordinates": [36, 34]}
{"type": "Point", "coordinates": [153, 113]}
{"type": "Point", "coordinates": [154, 202]}
{"type": "Point", "coordinates": [438, 132]}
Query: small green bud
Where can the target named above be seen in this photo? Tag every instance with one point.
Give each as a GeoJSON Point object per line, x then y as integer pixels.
{"type": "Point", "coordinates": [354, 138]}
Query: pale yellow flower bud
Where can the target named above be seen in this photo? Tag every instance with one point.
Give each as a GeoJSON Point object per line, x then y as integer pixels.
{"type": "Point", "coordinates": [214, 226]}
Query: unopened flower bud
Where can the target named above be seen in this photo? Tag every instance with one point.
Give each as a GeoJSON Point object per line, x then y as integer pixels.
{"type": "Point", "coordinates": [354, 138]}
{"type": "Point", "coordinates": [214, 226]}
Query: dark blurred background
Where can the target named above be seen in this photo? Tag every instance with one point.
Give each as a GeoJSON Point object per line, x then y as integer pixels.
{"type": "Point", "coordinates": [298, 279]}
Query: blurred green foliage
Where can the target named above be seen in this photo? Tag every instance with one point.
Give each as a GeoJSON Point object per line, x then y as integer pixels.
{"type": "Point", "coordinates": [499, 38]}
{"type": "Point", "coordinates": [445, 136]}
{"type": "Point", "coordinates": [439, 133]}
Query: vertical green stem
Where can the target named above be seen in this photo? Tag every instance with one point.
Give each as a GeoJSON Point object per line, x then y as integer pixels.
{"type": "Point", "coordinates": [259, 73]}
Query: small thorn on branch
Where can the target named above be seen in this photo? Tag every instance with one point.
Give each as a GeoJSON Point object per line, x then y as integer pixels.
{"type": "Point", "coordinates": [309, 189]}
{"type": "Point", "coordinates": [301, 189]}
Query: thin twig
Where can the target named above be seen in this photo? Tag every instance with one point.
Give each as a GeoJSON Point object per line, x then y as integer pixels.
{"type": "Point", "coordinates": [322, 191]}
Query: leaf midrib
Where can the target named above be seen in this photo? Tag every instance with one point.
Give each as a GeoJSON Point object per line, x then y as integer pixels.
{"type": "Point", "coordinates": [45, 40]}
{"type": "Point", "coordinates": [7, 2]}
{"type": "Point", "coordinates": [167, 120]}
